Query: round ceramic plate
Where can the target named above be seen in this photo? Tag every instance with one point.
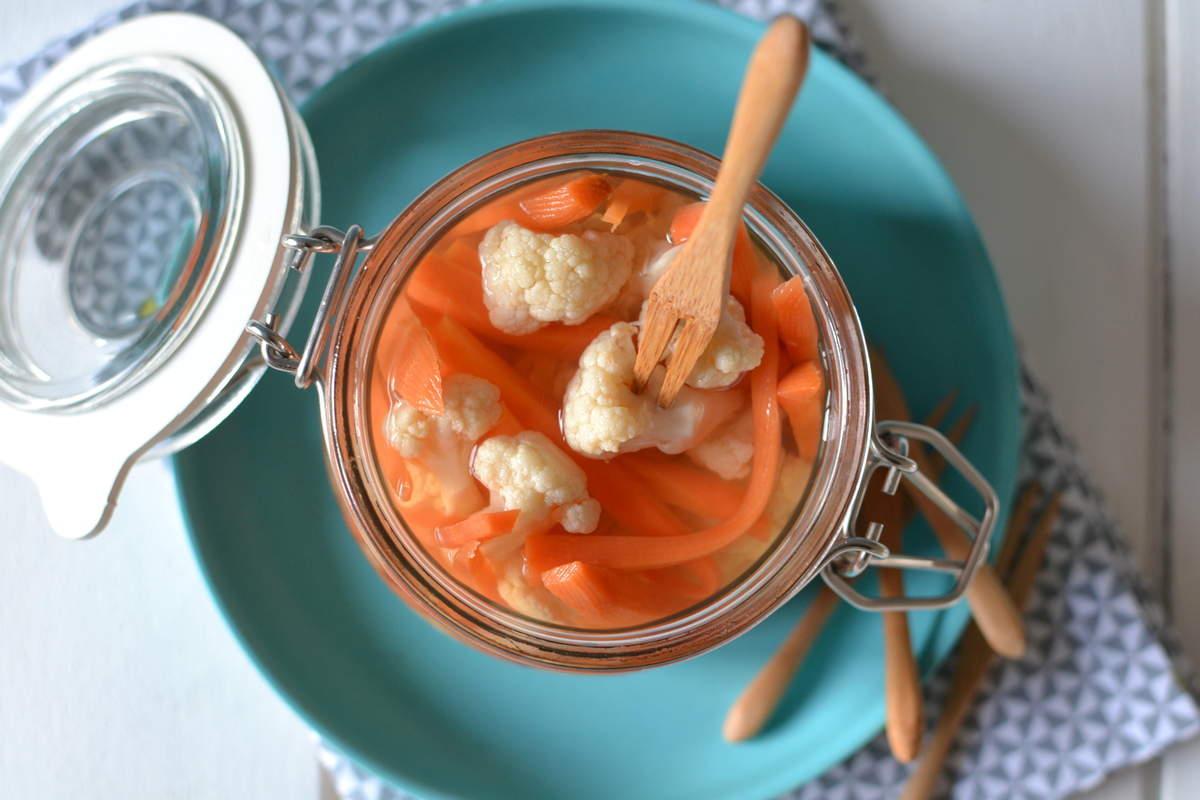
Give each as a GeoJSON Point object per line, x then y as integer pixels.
{"type": "Point", "coordinates": [430, 714]}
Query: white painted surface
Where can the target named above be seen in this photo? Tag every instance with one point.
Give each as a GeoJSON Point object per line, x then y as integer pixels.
{"type": "Point", "coordinates": [1049, 117]}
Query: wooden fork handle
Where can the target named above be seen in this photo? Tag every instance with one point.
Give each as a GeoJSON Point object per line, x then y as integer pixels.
{"type": "Point", "coordinates": [901, 678]}
{"type": "Point", "coordinates": [754, 706]}
{"type": "Point", "coordinates": [773, 77]}
{"type": "Point", "coordinates": [995, 614]}
{"type": "Point", "coordinates": [991, 606]}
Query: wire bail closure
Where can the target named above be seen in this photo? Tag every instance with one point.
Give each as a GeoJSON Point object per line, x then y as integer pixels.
{"type": "Point", "coordinates": [276, 350]}
{"type": "Point", "coordinates": [889, 451]}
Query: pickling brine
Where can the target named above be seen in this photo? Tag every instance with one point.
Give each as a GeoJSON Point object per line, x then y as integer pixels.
{"type": "Point", "coordinates": [506, 425]}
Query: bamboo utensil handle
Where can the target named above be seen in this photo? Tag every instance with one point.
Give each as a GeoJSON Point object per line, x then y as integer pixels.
{"type": "Point", "coordinates": [991, 606]}
{"type": "Point", "coordinates": [974, 658]}
{"type": "Point", "coordinates": [905, 720]}
{"type": "Point", "coordinates": [773, 76]}
{"type": "Point", "coordinates": [758, 700]}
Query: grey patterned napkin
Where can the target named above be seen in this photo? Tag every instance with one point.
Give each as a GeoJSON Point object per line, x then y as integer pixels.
{"type": "Point", "coordinates": [1103, 685]}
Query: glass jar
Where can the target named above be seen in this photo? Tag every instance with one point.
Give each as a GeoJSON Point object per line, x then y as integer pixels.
{"type": "Point", "coordinates": [227, 282]}
{"type": "Point", "coordinates": [819, 534]}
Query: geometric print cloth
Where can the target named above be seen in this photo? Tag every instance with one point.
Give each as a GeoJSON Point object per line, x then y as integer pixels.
{"type": "Point", "coordinates": [1103, 684]}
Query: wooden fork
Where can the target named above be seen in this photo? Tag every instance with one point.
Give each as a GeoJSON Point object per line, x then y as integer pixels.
{"type": "Point", "coordinates": [691, 294]}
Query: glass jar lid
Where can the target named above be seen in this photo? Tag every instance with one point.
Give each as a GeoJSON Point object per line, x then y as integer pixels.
{"type": "Point", "coordinates": [145, 183]}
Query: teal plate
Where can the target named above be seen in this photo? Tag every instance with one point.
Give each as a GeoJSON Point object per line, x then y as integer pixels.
{"type": "Point", "coordinates": [421, 709]}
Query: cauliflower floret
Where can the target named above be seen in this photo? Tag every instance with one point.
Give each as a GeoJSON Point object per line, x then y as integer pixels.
{"type": "Point", "coordinates": [472, 407]}
{"type": "Point", "coordinates": [600, 410]}
{"type": "Point", "coordinates": [602, 415]}
{"type": "Point", "coordinates": [532, 278]}
{"type": "Point", "coordinates": [442, 443]}
{"type": "Point", "coordinates": [729, 451]}
{"type": "Point", "coordinates": [734, 349]}
{"type": "Point", "coordinates": [529, 473]}
{"type": "Point", "coordinates": [524, 597]}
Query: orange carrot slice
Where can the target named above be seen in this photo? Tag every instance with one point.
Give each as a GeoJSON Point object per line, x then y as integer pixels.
{"type": "Point", "coordinates": [620, 494]}
{"type": "Point", "coordinates": [478, 527]}
{"type": "Point", "coordinates": [600, 596]}
{"type": "Point", "coordinates": [505, 208]}
{"type": "Point", "coordinates": [493, 213]}
{"type": "Point", "coordinates": [632, 197]}
{"type": "Point", "coordinates": [445, 287]}
{"type": "Point", "coordinates": [745, 262]}
{"type": "Point", "coordinates": [797, 327]}
{"type": "Point", "coordinates": [410, 360]}
{"type": "Point", "coordinates": [569, 202]}
{"type": "Point", "coordinates": [463, 251]}
{"type": "Point", "coordinates": [684, 222]}
{"type": "Point", "coordinates": [802, 396]}
{"type": "Point", "coordinates": [688, 488]}
{"type": "Point", "coordinates": [639, 552]}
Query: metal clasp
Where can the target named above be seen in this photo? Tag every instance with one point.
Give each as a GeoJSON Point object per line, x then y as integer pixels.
{"type": "Point", "coordinates": [276, 350]}
{"type": "Point", "coordinates": [890, 451]}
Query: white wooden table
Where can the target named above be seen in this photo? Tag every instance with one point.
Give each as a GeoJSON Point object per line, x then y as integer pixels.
{"type": "Point", "coordinates": [1073, 130]}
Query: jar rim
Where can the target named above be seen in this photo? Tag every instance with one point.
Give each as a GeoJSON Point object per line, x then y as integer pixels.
{"type": "Point", "coordinates": [799, 551]}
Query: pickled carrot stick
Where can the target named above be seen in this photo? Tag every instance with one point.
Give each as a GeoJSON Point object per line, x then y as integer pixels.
{"type": "Point", "coordinates": [620, 494]}
{"type": "Point", "coordinates": [631, 197]}
{"type": "Point", "coordinates": [684, 222]}
{"type": "Point", "coordinates": [797, 327]}
{"type": "Point", "coordinates": [463, 252]}
{"type": "Point", "coordinates": [445, 287]}
{"type": "Point", "coordinates": [410, 360]}
{"type": "Point", "coordinates": [688, 488]}
{"type": "Point", "coordinates": [745, 265]}
{"type": "Point", "coordinates": [463, 352]}
{"type": "Point", "coordinates": [599, 595]}
{"type": "Point", "coordinates": [745, 262]}
{"type": "Point", "coordinates": [477, 527]}
{"type": "Point", "coordinates": [802, 397]}
{"type": "Point", "coordinates": [505, 208]}
{"type": "Point", "coordinates": [568, 202]}
{"type": "Point", "coordinates": [638, 552]}
{"type": "Point", "coordinates": [493, 213]}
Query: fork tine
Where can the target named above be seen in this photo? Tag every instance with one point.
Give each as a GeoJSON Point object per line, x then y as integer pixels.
{"type": "Point", "coordinates": [689, 346]}
{"type": "Point", "coordinates": [653, 339]}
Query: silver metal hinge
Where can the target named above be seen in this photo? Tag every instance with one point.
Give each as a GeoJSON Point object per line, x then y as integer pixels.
{"type": "Point", "coordinates": [854, 554]}
{"type": "Point", "coordinates": [346, 246]}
